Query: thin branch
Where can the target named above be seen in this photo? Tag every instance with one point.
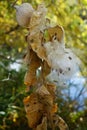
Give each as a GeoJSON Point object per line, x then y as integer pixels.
{"type": "Point", "coordinates": [79, 107]}
{"type": "Point", "coordinates": [14, 3]}
{"type": "Point", "coordinates": [80, 93]}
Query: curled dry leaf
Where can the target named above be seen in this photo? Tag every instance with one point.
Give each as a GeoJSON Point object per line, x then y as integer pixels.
{"type": "Point", "coordinates": [45, 98]}
{"type": "Point", "coordinates": [54, 108]}
{"type": "Point", "coordinates": [30, 76]}
{"type": "Point", "coordinates": [43, 125]}
{"type": "Point", "coordinates": [37, 21]}
{"type": "Point", "coordinates": [59, 122]}
{"type": "Point", "coordinates": [51, 88]}
{"type": "Point", "coordinates": [57, 32]}
{"type": "Point", "coordinates": [36, 43]}
{"type": "Point", "coordinates": [26, 57]}
{"type": "Point", "coordinates": [39, 104]}
{"type": "Point", "coordinates": [34, 110]}
{"type": "Point", "coordinates": [45, 70]}
{"type": "Point", "coordinates": [42, 91]}
{"type": "Point", "coordinates": [26, 103]}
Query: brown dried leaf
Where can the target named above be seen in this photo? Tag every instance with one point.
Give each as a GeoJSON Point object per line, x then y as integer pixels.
{"type": "Point", "coordinates": [30, 76]}
{"type": "Point", "coordinates": [43, 125]}
{"type": "Point", "coordinates": [37, 21]}
{"type": "Point", "coordinates": [42, 91]}
{"type": "Point", "coordinates": [45, 98]}
{"type": "Point", "coordinates": [34, 110]}
{"type": "Point", "coordinates": [56, 31]}
{"type": "Point", "coordinates": [54, 108]}
{"type": "Point", "coordinates": [59, 122]}
{"type": "Point", "coordinates": [26, 103]}
{"type": "Point", "coordinates": [34, 39]}
{"type": "Point", "coordinates": [45, 69]}
{"type": "Point", "coordinates": [26, 58]}
{"type": "Point", "coordinates": [38, 105]}
{"type": "Point", "coordinates": [36, 43]}
{"type": "Point", "coordinates": [41, 52]}
{"type": "Point", "coordinates": [51, 88]}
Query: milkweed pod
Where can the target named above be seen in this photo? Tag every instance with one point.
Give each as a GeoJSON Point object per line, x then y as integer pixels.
{"type": "Point", "coordinates": [57, 33]}
{"type": "Point", "coordinates": [23, 13]}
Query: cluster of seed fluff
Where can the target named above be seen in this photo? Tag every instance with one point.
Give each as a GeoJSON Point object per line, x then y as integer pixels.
{"type": "Point", "coordinates": [62, 60]}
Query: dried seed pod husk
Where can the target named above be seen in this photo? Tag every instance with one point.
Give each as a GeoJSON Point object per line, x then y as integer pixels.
{"type": "Point", "coordinates": [51, 88]}
{"type": "Point", "coordinates": [36, 43]}
{"type": "Point", "coordinates": [59, 122]}
{"type": "Point", "coordinates": [48, 103]}
{"type": "Point", "coordinates": [40, 104]}
{"type": "Point", "coordinates": [45, 69]}
{"type": "Point", "coordinates": [43, 125]}
{"type": "Point", "coordinates": [37, 21]}
{"type": "Point", "coordinates": [34, 110]}
{"type": "Point", "coordinates": [45, 98]}
{"type": "Point", "coordinates": [26, 103]}
{"type": "Point", "coordinates": [30, 76]}
{"type": "Point", "coordinates": [26, 57]}
{"type": "Point", "coordinates": [54, 108]}
{"type": "Point", "coordinates": [58, 32]}
{"type": "Point", "coordinates": [42, 91]}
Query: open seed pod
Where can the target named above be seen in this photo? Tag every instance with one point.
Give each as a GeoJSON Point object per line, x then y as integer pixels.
{"type": "Point", "coordinates": [57, 33]}
{"type": "Point", "coordinates": [34, 110]}
{"type": "Point", "coordinates": [45, 70]}
{"type": "Point", "coordinates": [43, 125]}
{"type": "Point", "coordinates": [38, 21]}
{"type": "Point", "coordinates": [36, 43]}
{"type": "Point", "coordinates": [51, 88]}
{"type": "Point", "coordinates": [39, 104]}
{"type": "Point", "coordinates": [46, 99]}
{"type": "Point", "coordinates": [59, 122]}
{"type": "Point", "coordinates": [30, 76]}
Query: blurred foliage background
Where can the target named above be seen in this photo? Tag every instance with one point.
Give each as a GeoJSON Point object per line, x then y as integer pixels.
{"type": "Point", "coordinates": [72, 100]}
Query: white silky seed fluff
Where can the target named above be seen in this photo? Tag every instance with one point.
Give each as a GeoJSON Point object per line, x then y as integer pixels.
{"type": "Point", "coordinates": [62, 60]}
